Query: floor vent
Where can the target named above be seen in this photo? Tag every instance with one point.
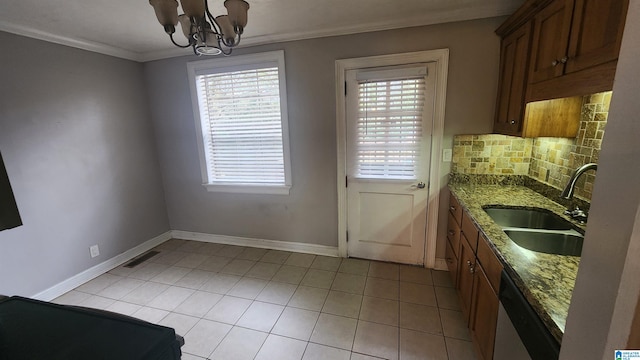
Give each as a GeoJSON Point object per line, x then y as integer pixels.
{"type": "Point", "coordinates": [141, 259]}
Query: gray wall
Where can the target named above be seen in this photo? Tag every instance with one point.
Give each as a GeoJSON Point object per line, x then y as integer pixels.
{"type": "Point", "coordinates": [309, 213]}
{"type": "Point", "coordinates": [76, 138]}
{"type": "Point", "coordinates": [614, 206]}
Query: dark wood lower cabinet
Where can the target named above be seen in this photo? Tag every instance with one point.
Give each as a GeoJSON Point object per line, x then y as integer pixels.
{"type": "Point", "coordinates": [484, 315]}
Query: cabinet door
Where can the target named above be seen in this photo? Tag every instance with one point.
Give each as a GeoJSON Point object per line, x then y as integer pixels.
{"type": "Point", "coordinates": [452, 264]}
{"type": "Point", "coordinates": [465, 276]}
{"type": "Point", "coordinates": [514, 62]}
{"type": "Point", "coordinates": [596, 33]}
{"type": "Point", "coordinates": [484, 315]}
{"type": "Point", "coordinates": [551, 28]}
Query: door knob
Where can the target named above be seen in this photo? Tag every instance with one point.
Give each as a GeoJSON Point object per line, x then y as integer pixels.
{"type": "Point", "coordinates": [421, 185]}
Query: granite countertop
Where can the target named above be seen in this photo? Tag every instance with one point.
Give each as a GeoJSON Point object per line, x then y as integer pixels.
{"type": "Point", "coordinates": [546, 280]}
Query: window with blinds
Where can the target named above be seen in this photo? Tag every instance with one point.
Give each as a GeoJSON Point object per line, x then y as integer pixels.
{"type": "Point", "coordinates": [389, 128]}
{"type": "Point", "coordinates": [242, 126]}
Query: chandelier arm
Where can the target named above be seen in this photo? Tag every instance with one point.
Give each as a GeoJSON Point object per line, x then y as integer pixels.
{"type": "Point", "coordinates": [176, 44]}
{"type": "Point", "coordinates": [225, 53]}
{"type": "Point", "coordinates": [214, 24]}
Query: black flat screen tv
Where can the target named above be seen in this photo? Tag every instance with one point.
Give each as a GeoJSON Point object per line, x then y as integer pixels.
{"type": "Point", "coordinates": [9, 215]}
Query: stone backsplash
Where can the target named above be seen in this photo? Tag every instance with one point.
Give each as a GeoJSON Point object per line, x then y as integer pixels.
{"type": "Point", "coordinates": [550, 161]}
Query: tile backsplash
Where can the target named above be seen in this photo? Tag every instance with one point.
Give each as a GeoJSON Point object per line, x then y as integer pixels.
{"type": "Point", "coordinates": [548, 160]}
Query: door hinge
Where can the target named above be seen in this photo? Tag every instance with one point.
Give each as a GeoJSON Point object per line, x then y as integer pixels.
{"type": "Point", "coordinates": [346, 181]}
{"type": "Point", "coordinates": [345, 88]}
{"type": "Point", "coordinates": [347, 236]}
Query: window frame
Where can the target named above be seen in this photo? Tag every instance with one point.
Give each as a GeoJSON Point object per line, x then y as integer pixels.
{"type": "Point", "coordinates": [238, 63]}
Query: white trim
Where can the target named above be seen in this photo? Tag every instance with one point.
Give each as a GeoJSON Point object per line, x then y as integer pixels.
{"type": "Point", "coordinates": [257, 243]}
{"type": "Point", "coordinates": [441, 58]}
{"type": "Point", "coordinates": [93, 272]}
{"type": "Point", "coordinates": [441, 264]}
{"type": "Point", "coordinates": [249, 189]}
{"type": "Point", "coordinates": [72, 42]}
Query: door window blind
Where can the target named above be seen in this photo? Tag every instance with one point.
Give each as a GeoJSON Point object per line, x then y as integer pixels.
{"type": "Point", "coordinates": [389, 128]}
{"type": "Point", "coordinates": [242, 126]}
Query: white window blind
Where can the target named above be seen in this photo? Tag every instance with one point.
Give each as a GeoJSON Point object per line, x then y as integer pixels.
{"type": "Point", "coordinates": [389, 128]}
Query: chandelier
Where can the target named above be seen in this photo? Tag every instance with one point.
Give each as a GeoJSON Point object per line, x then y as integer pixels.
{"type": "Point", "coordinates": [216, 36]}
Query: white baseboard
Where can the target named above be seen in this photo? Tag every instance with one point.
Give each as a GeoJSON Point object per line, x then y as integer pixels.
{"type": "Point", "coordinates": [441, 264]}
{"type": "Point", "coordinates": [258, 243]}
{"type": "Point", "coordinates": [93, 272]}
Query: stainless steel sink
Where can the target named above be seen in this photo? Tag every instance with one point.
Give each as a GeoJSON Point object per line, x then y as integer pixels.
{"type": "Point", "coordinates": [560, 243]}
{"type": "Point", "coordinates": [529, 218]}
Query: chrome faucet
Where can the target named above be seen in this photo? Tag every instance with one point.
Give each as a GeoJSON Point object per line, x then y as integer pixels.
{"type": "Point", "coordinates": [567, 193]}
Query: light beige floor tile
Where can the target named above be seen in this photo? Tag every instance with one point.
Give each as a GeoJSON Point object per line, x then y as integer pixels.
{"type": "Point", "coordinates": [195, 279]}
{"type": "Point", "coordinates": [99, 283]}
{"type": "Point", "coordinates": [151, 315]}
{"type": "Point", "coordinates": [322, 352]}
{"type": "Point", "coordinates": [123, 308]}
{"type": "Point", "coordinates": [73, 297]}
{"type": "Point", "coordinates": [186, 356]}
{"type": "Point", "coordinates": [148, 271]}
{"type": "Point", "coordinates": [441, 278]}
{"type": "Point", "coordinates": [191, 260]}
{"type": "Point", "coordinates": [210, 248]}
{"type": "Point", "coordinates": [220, 283]}
{"type": "Point", "coordinates": [318, 278]}
{"type": "Point", "coordinates": [420, 317]}
{"type": "Point", "coordinates": [418, 294]}
{"type": "Point", "coordinates": [204, 337]}
{"type": "Point", "coordinates": [343, 304]}
{"type": "Point", "coordinates": [238, 267]}
{"type": "Point", "coordinates": [381, 311]}
{"type": "Point", "coordinates": [170, 298]}
{"type": "Point", "coordinates": [168, 257]}
{"type": "Point", "coordinates": [308, 298]}
{"type": "Point", "coordinates": [415, 274]}
{"type": "Point", "coordinates": [247, 288]}
{"type": "Point", "coordinates": [357, 356]}
{"type": "Point", "coordinates": [290, 274]}
{"type": "Point", "coordinates": [260, 316]}
{"type": "Point", "coordinates": [349, 283]}
{"type": "Point", "coordinates": [460, 349]}
{"type": "Point", "coordinates": [354, 266]}
{"type": "Point", "coordinates": [231, 251]}
{"type": "Point", "coordinates": [179, 322]}
{"type": "Point", "coordinates": [384, 270]}
{"type": "Point", "coordinates": [191, 246]}
{"type": "Point", "coordinates": [335, 331]}
{"type": "Point", "coordinates": [454, 325]}
{"type": "Point", "coordinates": [120, 288]}
{"type": "Point", "coordinates": [198, 304]}
{"type": "Point", "coordinates": [376, 340]}
{"type": "Point", "coordinates": [387, 289]}
{"type": "Point", "coordinates": [97, 302]}
{"type": "Point", "coordinates": [145, 293]}
{"type": "Point", "coordinates": [171, 244]}
{"type": "Point", "coordinates": [326, 263]}
{"type": "Point", "coordinates": [228, 310]}
{"type": "Point", "coordinates": [171, 275]}
{"type": "Point", "coordinates": [302, 260]}
{"type": "Point", "coordinates": [277, 293]}
{"type": "Point", "coordinates": [263, 270]}
{"type": "Point", "coordinates": [214, 263]}
{"type": "Point", "coordinates": [239, 344]}
{"type": "Point", "coordinates": [281, 348]}
{"type": "Point", "coordinates": [253, 254]}
{"type": "Point", "coordinates": [296, 323]}
{"type": "Point", "coordinates": [416, 345]}
{"type": "Point", "coordinates": [447, 298]}
{"type": "Point", "coordinates": [275, 257]}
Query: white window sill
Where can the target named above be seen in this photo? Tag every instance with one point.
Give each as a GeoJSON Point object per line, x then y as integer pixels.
{"type": "Point", "coordinates": [249, 189]}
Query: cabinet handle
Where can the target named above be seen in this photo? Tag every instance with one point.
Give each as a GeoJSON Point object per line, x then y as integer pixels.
{"type": "Point", "coordinates": [451, 232]}
{"type": "Point", "coordinates": [554, 63]}
{"type": "Point", "coordinates": [564, 60]}
{"type": "Point", "coordinates": [469, 263]}
{"type": "Point", "coordinates": [471, 270]}
{"type": "Point", "coordinates": [512, 122]}
{"type": "Point", "coordinates": [452, 208]}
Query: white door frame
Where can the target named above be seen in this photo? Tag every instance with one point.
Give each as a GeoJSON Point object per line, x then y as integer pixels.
{"type": "Point", "coordinates": [441, 59]}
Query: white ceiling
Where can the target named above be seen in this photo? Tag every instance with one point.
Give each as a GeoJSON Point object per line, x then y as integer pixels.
{"type": "Point", "coordinates": [129, 29]}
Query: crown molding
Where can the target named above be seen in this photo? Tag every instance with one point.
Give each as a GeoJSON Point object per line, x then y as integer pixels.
{"type": "Point", "coordinates": [68, 41]}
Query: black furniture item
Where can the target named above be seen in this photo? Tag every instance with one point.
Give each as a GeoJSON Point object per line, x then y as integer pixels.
{"type": "Point", "coordinates": [9, 215]}
{"type": "Point", "coordinates": [32, 329]}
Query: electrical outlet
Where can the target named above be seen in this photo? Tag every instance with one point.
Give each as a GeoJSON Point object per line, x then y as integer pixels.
{"type": "Point", "coordinates": [94, 250]}
{"type": "Point", "coordinates": [446, 155]}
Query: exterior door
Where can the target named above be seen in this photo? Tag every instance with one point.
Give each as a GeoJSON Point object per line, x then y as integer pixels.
{"type": "Point", "coordinates": [389, 120]}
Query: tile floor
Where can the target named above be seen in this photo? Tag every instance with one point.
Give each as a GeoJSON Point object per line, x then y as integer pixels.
{"type": "Point", "coordinates": [232, 302]}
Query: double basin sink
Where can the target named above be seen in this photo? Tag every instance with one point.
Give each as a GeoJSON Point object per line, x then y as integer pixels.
{"type": "Point", "coordinates": [538, 230]}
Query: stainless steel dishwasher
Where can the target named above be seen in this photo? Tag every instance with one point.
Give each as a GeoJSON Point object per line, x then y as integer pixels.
{"type": "Point", "coordinates": [520, 333]}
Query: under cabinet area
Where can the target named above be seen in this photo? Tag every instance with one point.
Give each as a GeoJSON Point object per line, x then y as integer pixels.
{"type": "Point", "coordinates": [553, 49]}
{"type": "Point", "coordinates": [475, 271]}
